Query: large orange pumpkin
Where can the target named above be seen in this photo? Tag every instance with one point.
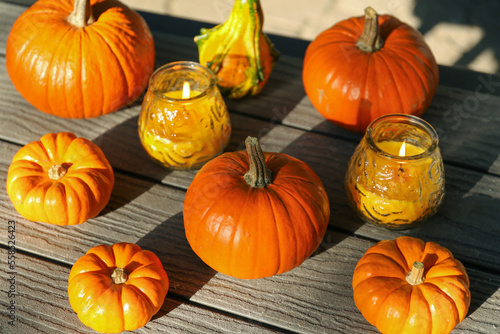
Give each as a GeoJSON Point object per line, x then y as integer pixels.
{"type": "Point", "coordinates": [81, 59]}
{"type": "Point", "coordinates": [369, 66]}
{"type": "Point", "coordinates": [61, 179]}
{"type": "Point", "coordinates": [410, 286]}
{"type": "Point", "coordinates": [117, 288]}
{"type": "Point", "coordinates": [253, 215]}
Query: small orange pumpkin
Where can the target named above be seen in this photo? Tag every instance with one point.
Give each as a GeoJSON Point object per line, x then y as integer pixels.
{"type": "Point", "coordinates": [61, 179]}
{"type": "Point", "coordinates": [254, 214]}
{"type": "Point", "coordinates": [80, 58]}
{"type": "Point", "coordinates": [410, 286]}
{"type": "Point", "coordinates": [117, 288]}
{"type": "Point", "coordinates": [365, 67]}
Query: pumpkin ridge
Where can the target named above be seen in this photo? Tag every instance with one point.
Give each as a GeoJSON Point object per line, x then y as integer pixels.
{"type": "Point", "coordinates": [84, 35]}
{"type": "Point", "coordinates": [407, 268]}
{"type": "Point", "coordinates": [442, 292]}
{"type": "Point", "coordinates": [119, 288]}
{"type": "Point", "coordinates": [63, 202]}
{"type": "Point", "coordinates": [241, 218]}
{"type": "Point", "coordinates": [279, 251]}
{"type": "Point", "coordinates": [92, 197]}
{"type": "Point", "coordinates": [48, 145]}
{"type": "Point", "coordinates": [105, 31]}
{"type": "Point", "coordinates": [394, 81]}
{"type": "Point", "coordinates": [387, 294]}
{"type": "Point", "coordinates": [39, 191]}
{"type": "Point", "coordinates": [284, 186]}
{"type": "Point", "coordinates": [350, 29]}
{"type": "Point", "coordinates": [55, 51]}
{"type": "Point", "coordinates": [310, 220]}
{"type": "Point", "coordinates": [427, 308]}
{"type": "Point", "coordinates": [120, 68]}
{"type": "Point", "coordinates": [95, 252]}
{"type": "Point", "coordinates": [403, 71]}
{"type": "Point", "coordinates": [294, 178]}
{"type": "Point", "coordinates": [211, 207]}
{"type": "Point", "coordinates": [325, 218]}
{"type": "Point", "coordinates": [382, 305]}
{"type": "Point", "coordinates": [138, 291]}
{"type": "Point", "coordinates": [418, 74]}
{"type": "Point", "coordinates": [77, 278]}
{"type": "Point", "coordinates": [23, 52]}
{"type": "Point", "coordinates": [363, 89]}
{"type": "Point", "coordinates": [31, 170]}
{"type": "Point", "coordinates": [68, 86]}
{"type": "Point", "coordinates": [387, 257]}
{"type": "Point", "coordinates": [96, 258]}
{"type": "Point", "coordinates": [456, 313]}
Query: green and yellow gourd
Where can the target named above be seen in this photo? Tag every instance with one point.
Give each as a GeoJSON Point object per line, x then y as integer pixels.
{"type": "Point", "coordinates": [237, 51]}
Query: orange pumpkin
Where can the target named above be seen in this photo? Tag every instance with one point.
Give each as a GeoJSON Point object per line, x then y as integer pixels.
{"type": "Point", "coordinates": [61, 179]}
{"type": "Point", "coordinates": [369, 66]}
{"type": "Point", "coordinates": [253, 214]}
{"type": "Point", "coordinates": [80, 59]}
{"type": "Point", "coordinates": [117, 288]}
{"type": "Point", "coordinates": [410, 286]}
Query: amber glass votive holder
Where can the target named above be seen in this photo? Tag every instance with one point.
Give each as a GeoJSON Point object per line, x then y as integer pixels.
{"type": "Point", "coordinates": [184, 121]}
{"type": "Point", "coordinates": [395, 178]}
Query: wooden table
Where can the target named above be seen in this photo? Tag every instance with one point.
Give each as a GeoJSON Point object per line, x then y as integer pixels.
{"type": "Point", "coordinates": [146, 206]}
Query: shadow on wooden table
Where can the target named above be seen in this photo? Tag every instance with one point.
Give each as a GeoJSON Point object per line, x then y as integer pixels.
{"type": "Point", "coordinates": [122, 146]}
{"type": "Point", "coordinates": [124, 151]}
{"type": "Point", "coordinates": [465, 14]}
{"type": "Point", "coordinates": [467, 123]}
{"type": "Point", "coordinates": [466, 224]}
{"type": "Point", "coordinates": [186, 271]}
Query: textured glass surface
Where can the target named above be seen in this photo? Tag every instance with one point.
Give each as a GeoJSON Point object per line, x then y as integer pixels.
{"type": "Point", "coordinates": [183, 133]}
{"type": "Point", "coordinates": [390, 190]}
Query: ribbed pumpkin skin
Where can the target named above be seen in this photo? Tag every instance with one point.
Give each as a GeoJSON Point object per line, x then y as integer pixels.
{"type": "Point", "coordinates": [248, 232]}
{"type": "Point", "coordinates": [109, 307]}
{"type": "Point", "coordinates": [394, 306]}
{"type": "Point", "coordinates": [80, 72]}
{"type": "Point", "coordinates": [77, 196]}
{"type": "Point", "coordinates": [351, 88]}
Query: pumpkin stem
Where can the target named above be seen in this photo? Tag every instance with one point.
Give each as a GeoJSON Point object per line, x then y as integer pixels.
{"type": "Point", "coordinates": [81, 16]}
{"type": "Point", "coordinates": [416, 274]}
{"type": "Point", "coordinates": [119, 276]}
{"type": "Point", "coordinates": [57, 171]}
{"type": "Point", "coordinates": [258, 175]}
{"type": "Point", "coordinates": [370, 40]}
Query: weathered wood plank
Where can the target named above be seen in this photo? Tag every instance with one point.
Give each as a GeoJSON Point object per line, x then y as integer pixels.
{"type": "Point", "coordinates": [328, 307]}
{"type": "Point", "coordinates": [150, 214]}
{"type": "Point", "coordinates": [468, 132]}
{"type": "Point", "coordinates": [146, 212]}
{"type": "Point", "coordinates": [42, 306]}
{"type": "Point", "coordinates": [328, 157]}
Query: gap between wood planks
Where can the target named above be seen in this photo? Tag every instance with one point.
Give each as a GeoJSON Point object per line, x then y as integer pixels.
{"type": "Point", "coordinates": [331, 228]}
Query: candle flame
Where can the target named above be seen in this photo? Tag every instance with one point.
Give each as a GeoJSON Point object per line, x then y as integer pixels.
{"type": "Point", "coordinates": [186, 90]}
{"type": "Point", "coordinates": [402, 150]}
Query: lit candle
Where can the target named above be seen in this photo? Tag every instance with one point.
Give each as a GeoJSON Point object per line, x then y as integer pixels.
{"type": "Point", "coordinates": [396, 176]}
{"type": "Point", "coordinates": [185, 93]}
{"type": "Point", "coordinates": [184, 121]}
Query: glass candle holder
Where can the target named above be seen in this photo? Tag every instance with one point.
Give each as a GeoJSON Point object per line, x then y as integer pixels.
{"type": "Point", "coordinates": [184, 121]}
{"type": "Point", "coordinates": [395, 177]}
